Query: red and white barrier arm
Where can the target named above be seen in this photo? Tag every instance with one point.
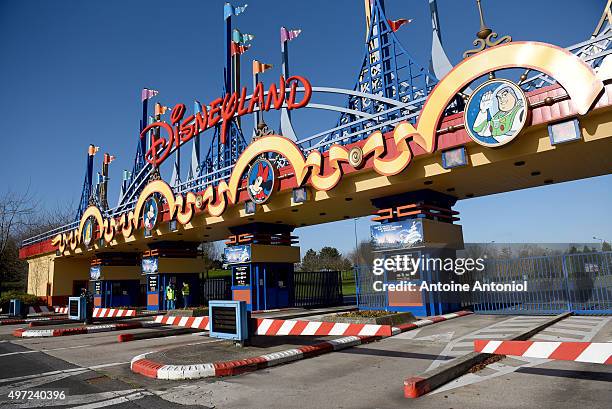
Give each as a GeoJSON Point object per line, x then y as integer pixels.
{"type": "Point", "coordinates": [113, 313]}
{"type": "Point", "coordinates": [593, 352]}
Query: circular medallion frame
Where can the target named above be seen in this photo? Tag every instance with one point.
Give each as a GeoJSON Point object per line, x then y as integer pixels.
{"type": "Point", "coordinates": [495, 113]}
{"type": "Point", "coordinates": [150, 213]}
{"type": "Point", "coordinates": [262, 179]}
{"type": "Point", "coordinates": [88, 231]}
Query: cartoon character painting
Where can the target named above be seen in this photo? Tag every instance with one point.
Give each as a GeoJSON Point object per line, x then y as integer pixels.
{"type": "Point", "coordinates": [88, 228]}
{"type": "Point", "coordinates": [150, 213]}
{"type": "Point", "coordinates": [261, 181]}
{"type": "Point", "coordinates": [496, 113]}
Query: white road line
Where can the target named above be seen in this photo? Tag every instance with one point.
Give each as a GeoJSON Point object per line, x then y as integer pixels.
{"type": "Point", "coordinates": [43, 350]}
{"type": "Point", "coordinates": [115, 401]}
{"type": "Point", "coordinates": [33, 383]}
{"type": "Point", "coordinates": [76, 399]}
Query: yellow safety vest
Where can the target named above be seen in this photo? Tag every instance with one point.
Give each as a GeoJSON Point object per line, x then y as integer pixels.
{"type": "Point", "coordinates": [169, 293]}
{"type": "Point", "coordinates": [186, 289]}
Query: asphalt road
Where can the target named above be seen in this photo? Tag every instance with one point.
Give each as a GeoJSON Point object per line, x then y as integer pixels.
{"type": "Point", "coordinates": [96, 372]}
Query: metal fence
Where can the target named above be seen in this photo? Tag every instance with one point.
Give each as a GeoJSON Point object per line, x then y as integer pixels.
{"type": "Point", "coordinates": [216, 289]}
{"type": "Point", "coordinates": [317, 288]}
{"type": "Point", "coordinates": [581, 283]}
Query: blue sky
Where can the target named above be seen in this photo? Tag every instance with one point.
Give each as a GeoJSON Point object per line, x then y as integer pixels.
{"type": "Point", "coordinates": [71, 74]}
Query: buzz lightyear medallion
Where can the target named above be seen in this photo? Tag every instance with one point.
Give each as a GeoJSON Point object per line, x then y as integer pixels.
{"type": "Point", "coordinates": [496, 112]}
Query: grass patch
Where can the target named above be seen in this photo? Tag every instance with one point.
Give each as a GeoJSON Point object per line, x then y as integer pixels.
{"type": "Point", "coordinates": [219, 273]}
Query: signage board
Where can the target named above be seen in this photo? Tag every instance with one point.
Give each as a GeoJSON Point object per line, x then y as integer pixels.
{"type": "Point", "coordinates": [152, 283]}
{"type": "Point", "coordinates": [397, 235]}
{"type": "Point", "coordinates": [406, 270]}
{"type": "Point", "coordinates": [150, 265]}
{"type": "Point", "coordinates": [238, 254]}
{"type": "Point", "coordinates": [97, 287]}
{"type": "Point", "coordinates": [94, 272]}
{"type": "Point", "coordinates": [228, 320]}
{"type": "Point", "coordinates": [242, 275]}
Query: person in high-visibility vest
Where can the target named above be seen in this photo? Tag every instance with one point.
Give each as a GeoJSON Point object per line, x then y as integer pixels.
{"type": "Point", "coordinates": [185, 292]}
{"type": "Point", "coordinates": [170, 297]}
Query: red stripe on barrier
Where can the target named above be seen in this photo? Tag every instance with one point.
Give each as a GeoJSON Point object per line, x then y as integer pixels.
{"type": "Point", "coordinates": [569, 350]}
{"type": "Point", "coordinates": [189, 322]}
{"type": "Point", "coordinates": [273, 329]}
{"type": "Point", "coordinates": [125, 337]}
{"type": "Point", "coordinates": [513, 347]}
{"type": "Point", "coordinates": [479, 345]}
{"type": "Point", "coordinates": [298, 328]}
{"type": "Point", "coordinates": [353, 329]}
{"type": "Point", "coordinates": [324, 328]}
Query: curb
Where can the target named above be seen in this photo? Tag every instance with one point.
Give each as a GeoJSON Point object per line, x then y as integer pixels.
{"type": "Point", "coordinates": [151, 369]}
{"type": "Point", "coordinates": [13, 321]}
{"type": "Point", "coordinates": [24, 333]}
{"type": "Point", "coordinates": [419, 385]}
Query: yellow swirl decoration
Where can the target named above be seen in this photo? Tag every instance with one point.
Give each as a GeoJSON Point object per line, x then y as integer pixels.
{"type": "Point", "coordinates": [575, 76]}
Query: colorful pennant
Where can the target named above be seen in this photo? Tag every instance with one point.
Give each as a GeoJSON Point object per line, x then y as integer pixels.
{"type": "Point", "coordinates": [160, 109]}
{"type": "Point", "coordinates": [238, 49]}
{"type": "Point", "coordinates": [229, 10]}
{"type": "Point", "coordinates": [396, 24]}
{"type": "Point", "coordinates": [148, 94]}
{"type": "Point", "coordinates": [240, 38]}
{"type": "Point", "coordinates": [288, 35]}
{"type": "Point", "coordinates": [259, 67]}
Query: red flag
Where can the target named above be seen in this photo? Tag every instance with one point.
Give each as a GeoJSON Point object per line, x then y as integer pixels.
{"type": "Point", "coordinates": [238, 48]}
{"type": "Point", "coordinates": [395, 25]}
{"type": "Point", "coordinates": [160, 109]}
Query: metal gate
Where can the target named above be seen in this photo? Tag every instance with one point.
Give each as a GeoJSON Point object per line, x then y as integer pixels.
{"type": "Point", "coordinates": [317, 288]}
{"type": "Point", "coordinates": [581, 283]}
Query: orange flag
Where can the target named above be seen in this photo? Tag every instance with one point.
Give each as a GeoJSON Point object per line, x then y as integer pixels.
{"type": "Point", "coordinates": [259, 67]}
{"type": "Point", "coordinates": [160, 109]}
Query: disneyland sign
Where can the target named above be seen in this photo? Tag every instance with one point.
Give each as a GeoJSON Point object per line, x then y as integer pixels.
{"type": "Point", "coordinates": [221, 110]}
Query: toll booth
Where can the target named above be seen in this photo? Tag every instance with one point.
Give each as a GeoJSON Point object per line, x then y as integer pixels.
{"type": "Point", "coordinates": [172, 263]}
{"type": "Point", "coordinates": [262, 260]}
{"type": "Point", "coordinates": [418, 226]}
{"type": "Point", "coordinates": [115, 280]}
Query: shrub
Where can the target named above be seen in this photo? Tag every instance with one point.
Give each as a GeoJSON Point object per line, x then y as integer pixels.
{"type": "Point", "coordinates": [27, 299]}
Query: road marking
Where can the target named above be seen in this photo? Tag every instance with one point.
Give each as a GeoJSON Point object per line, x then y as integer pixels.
{"type": "Point", "coordinates": [70, 371]}
{"type": "Point", "coordinates": [115, 401]}
{"type": "Point", "coordinates": [41, 380]}
{"type": "Point", "coordinates": [71, 400]}
{"type": "Point", "coordinates": [504, 367]}
{"type": "Point", "coordinates": [31, 351]}
{"type": "Point", "coordinates": [445, 337]}
{"type": "Point", "coordinates": [408, 334]}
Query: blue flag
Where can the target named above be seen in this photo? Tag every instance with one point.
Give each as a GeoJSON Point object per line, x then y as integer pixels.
{"type": "Point", "coordinates": [229, 10]}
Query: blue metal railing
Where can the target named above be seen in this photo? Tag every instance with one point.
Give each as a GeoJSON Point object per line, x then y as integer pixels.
{"type": "Point", "coordinates": [581, 283]}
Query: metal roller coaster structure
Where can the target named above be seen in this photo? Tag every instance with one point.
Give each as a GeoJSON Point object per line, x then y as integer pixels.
{"type": "Point", "coordinates": [391, 87]}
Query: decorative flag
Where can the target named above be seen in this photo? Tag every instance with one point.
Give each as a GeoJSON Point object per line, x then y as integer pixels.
{"type": "Point", "coordinates": [160, 109]}
{"type": "Point", "coordinates": [148, 94]}
{"type": "Point", "coordinates": [288, 35]}
{"type": "Point", "coordinates": [238, 49]}
{"type": "Point", "coordinates": [395, 25]}
{"type": "Point", "coordinates": [259, 67]}
{"type": "Point", "coordinates": [229, 10]}
{"type": "Point", "coordinates": [108, 158]}
{"type": "Point", "coordinates": [240, 38]}
{"type": "Point", "coordinates": [93, 150]}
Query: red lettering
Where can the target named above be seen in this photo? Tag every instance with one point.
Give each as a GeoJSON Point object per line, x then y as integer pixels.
{"type": "Point", "coordinates": [188, 130]}
{"type": "Point", "coordinates": [241, 109]}
{"type": "Point", "coordinates": [214, 115]}
{"type": "Point", "coordinates": [294, 80]}
{"type": "Point", "coordinates": [274, 94]}
{"type": "Point", "coordinates": [177, 113]}
{"type": "Point", "coordinates": [257, 98]}
{"type": "Point", "coordinates": [160, 148]}
{"type": "Point", "coordinates": [201, 120]}
{"type": "Point", "coordinates": [230, 103]}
